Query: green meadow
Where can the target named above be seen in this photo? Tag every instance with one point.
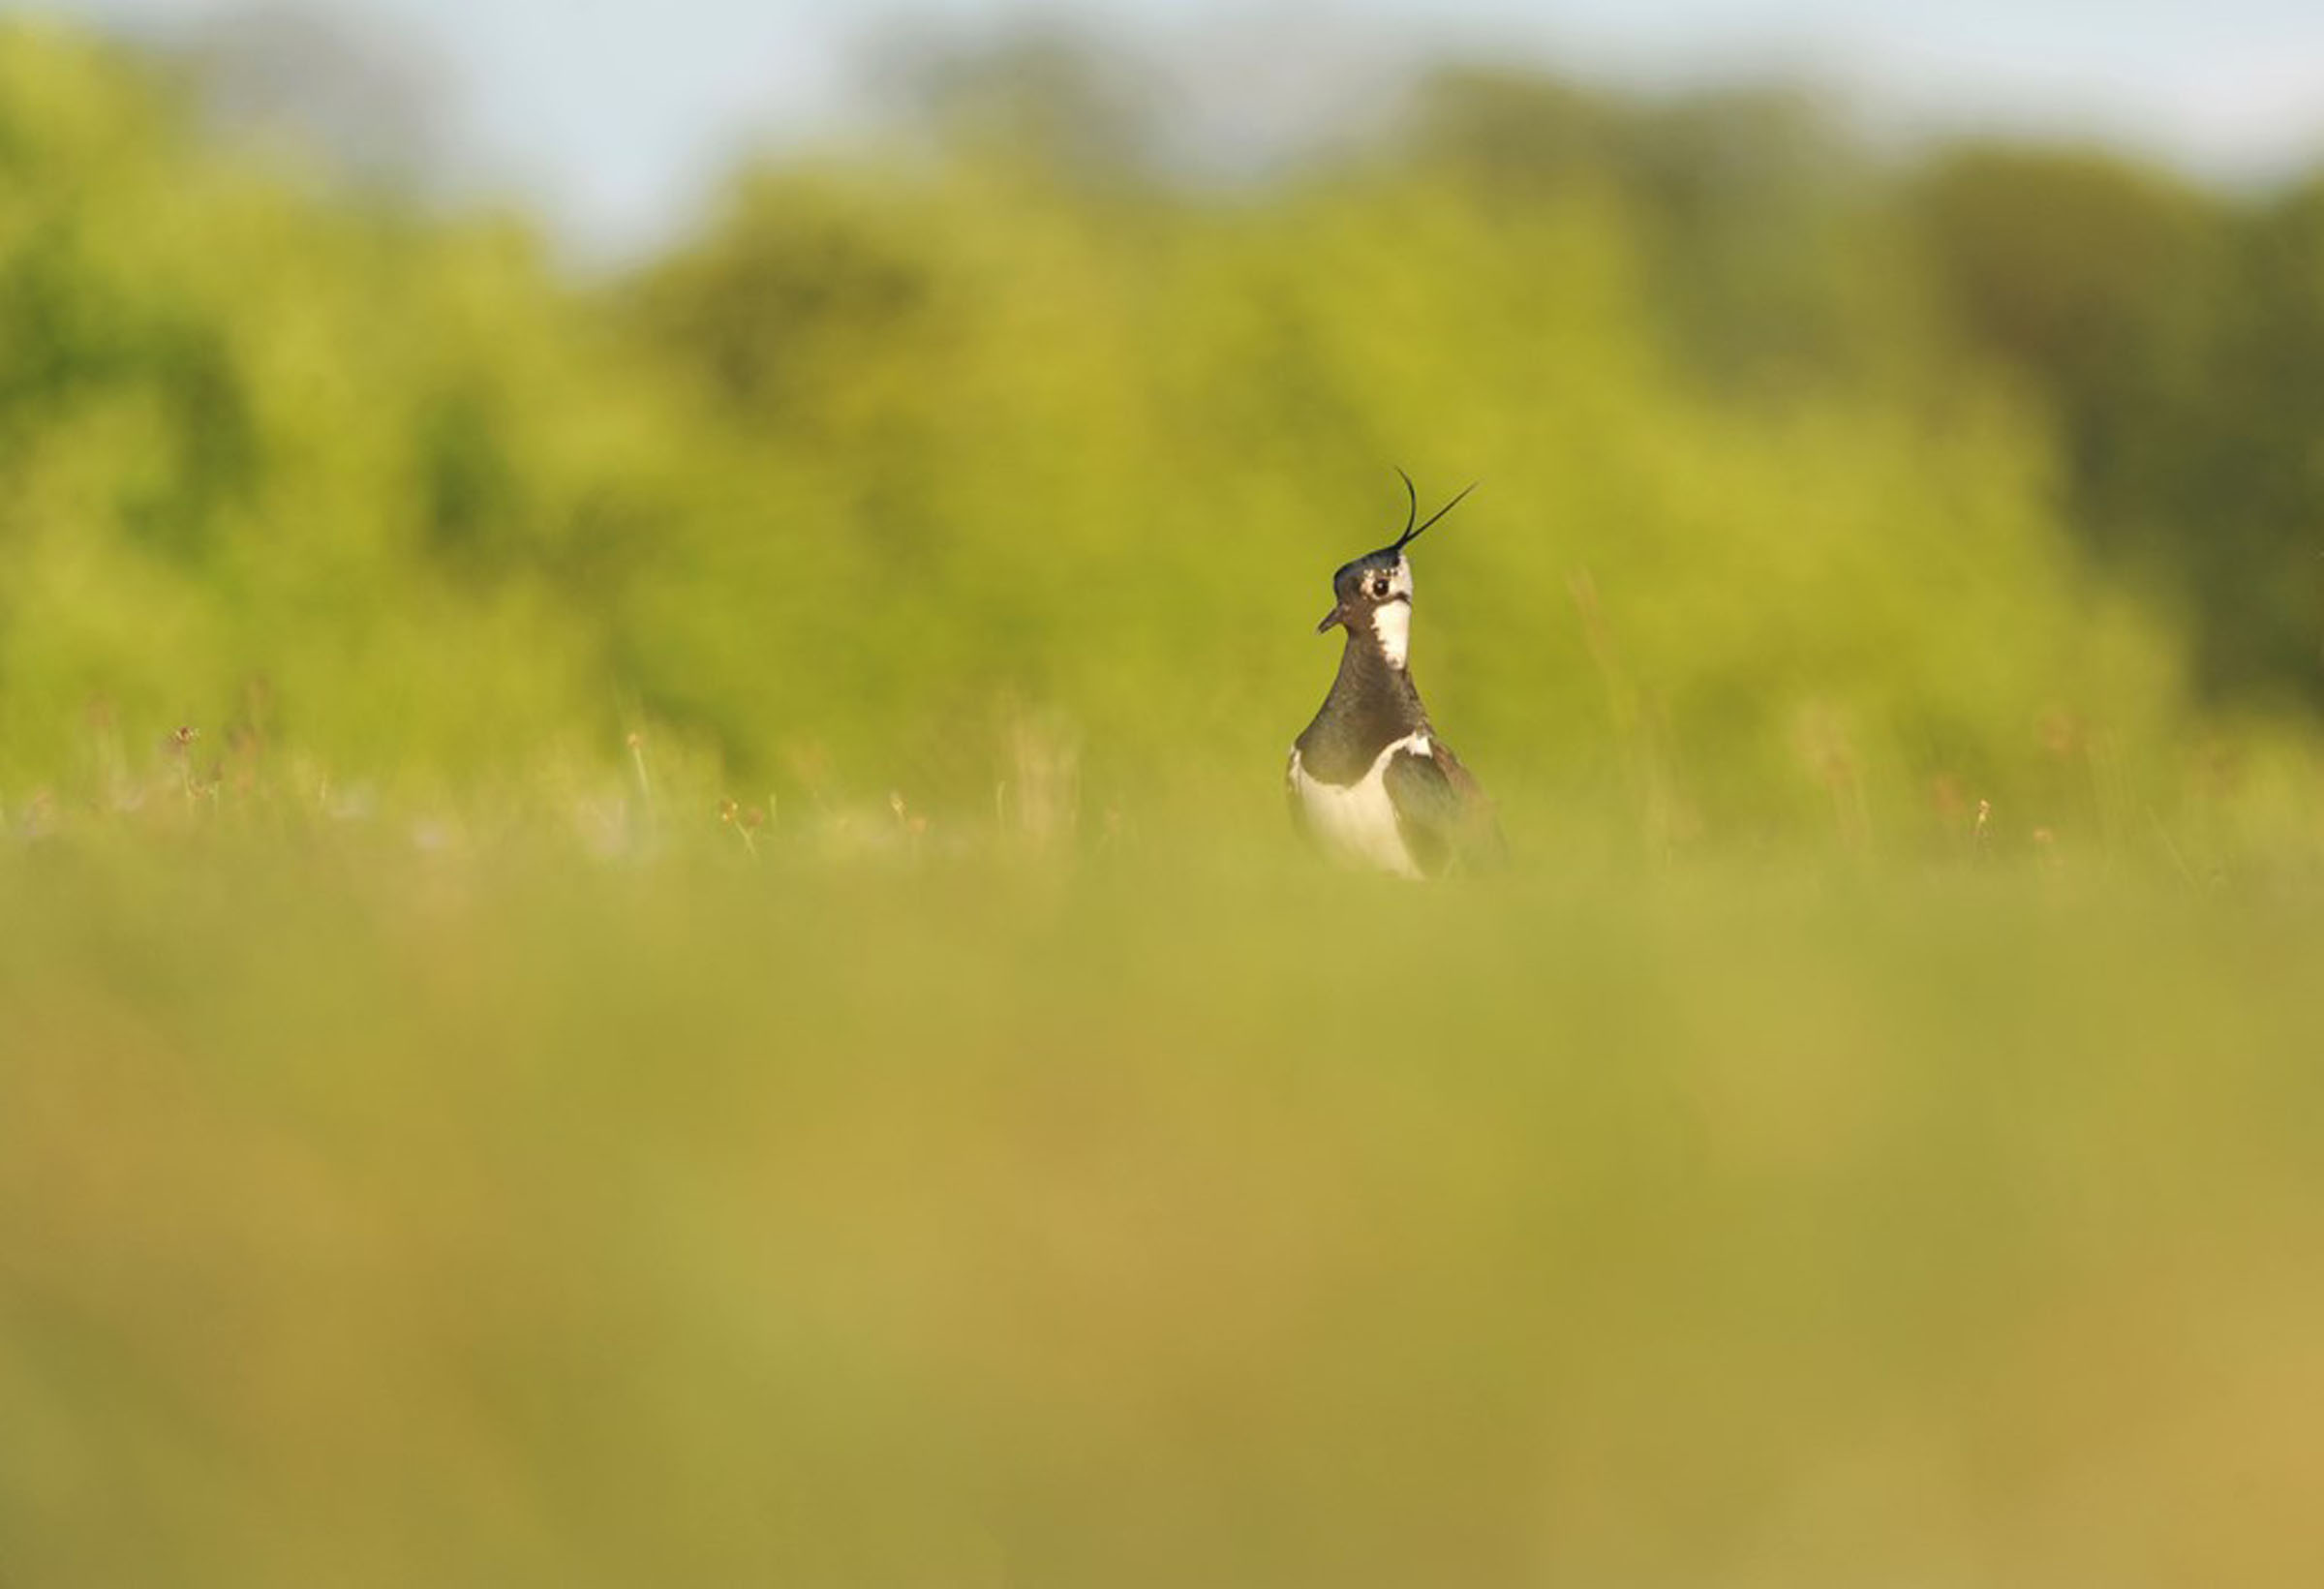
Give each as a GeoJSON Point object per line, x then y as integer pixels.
{"type": "Point", "coordinates": [648, 934]}
{"type": "Point", "coordinates": [1156, 1215]}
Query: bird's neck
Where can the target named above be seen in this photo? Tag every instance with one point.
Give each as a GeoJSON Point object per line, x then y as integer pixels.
{"type": "Point", "coordinates": [1390, 624]}
{"type": "Point", "coordinates": [1372, 705]}
{"type": "Point", "coordinates": [1369, 671]}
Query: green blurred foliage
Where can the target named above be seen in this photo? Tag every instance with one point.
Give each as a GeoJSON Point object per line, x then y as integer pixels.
{"type": "Point", "coordinates": [995, 434]}
{"type": "Point", "coordinates": [2173, 337]}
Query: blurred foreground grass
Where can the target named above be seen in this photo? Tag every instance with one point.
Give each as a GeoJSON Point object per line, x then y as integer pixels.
{"type": "Point", "coordinates": [1173, 1215]}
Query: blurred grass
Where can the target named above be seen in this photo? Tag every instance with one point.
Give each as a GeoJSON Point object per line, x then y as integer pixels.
{"type": "Point", "coordinates": [1166, 1215]}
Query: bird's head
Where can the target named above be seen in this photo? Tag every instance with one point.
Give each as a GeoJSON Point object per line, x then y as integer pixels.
{"type": "Point", "coordinates": [1373, 595]}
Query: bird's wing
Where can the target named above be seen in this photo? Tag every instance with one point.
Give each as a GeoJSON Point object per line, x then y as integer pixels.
{"type": "Point", "coordinates": [1442, 813]}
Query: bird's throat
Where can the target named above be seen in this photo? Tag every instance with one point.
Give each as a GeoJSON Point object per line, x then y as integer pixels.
{"type": "Point", "coordinates": [1369, 672]}
{"type": "Point", "coordinates": [1390, 626]}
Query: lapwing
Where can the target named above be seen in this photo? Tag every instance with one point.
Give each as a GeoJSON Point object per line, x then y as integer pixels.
{"type": "Point", "coordinates": [1369, 779]}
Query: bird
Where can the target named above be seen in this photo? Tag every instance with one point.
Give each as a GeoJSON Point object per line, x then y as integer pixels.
{"type": "Point", "coordinates": [1368, 780]}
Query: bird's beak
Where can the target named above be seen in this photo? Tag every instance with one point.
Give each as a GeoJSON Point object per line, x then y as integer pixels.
{"type": "Point", "coordinates": [1338, 615]}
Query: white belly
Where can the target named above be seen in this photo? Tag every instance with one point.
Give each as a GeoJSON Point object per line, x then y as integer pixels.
{"type": "Point", "coordinates": [1358, 822]}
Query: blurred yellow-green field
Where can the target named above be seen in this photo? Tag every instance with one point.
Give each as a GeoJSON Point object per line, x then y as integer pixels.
{"type": "Point", "coordinates": [647, 934]}
{"type": "Point", "coordinates": [1154, 1217]}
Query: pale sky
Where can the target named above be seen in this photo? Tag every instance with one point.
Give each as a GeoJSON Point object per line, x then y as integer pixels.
{"type": "Point", "coordinates": [615, 116]}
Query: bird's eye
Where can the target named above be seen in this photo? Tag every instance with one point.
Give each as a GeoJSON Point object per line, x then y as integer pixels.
{"type": "Point", "coordinates": [1379, 589]}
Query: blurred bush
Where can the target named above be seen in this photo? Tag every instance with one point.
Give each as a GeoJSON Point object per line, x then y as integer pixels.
{"type": "Point", "coordinates": [1817, 492]}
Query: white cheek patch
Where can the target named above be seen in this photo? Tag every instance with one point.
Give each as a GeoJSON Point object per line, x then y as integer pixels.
{"type": "Point", "coordinates": [1391, 624]}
